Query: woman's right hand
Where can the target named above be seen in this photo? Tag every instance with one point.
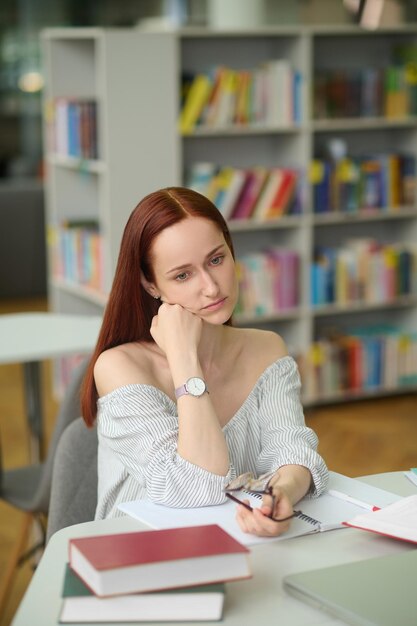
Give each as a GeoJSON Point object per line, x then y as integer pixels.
{"type": "Point", "coordinates": [176, 329]}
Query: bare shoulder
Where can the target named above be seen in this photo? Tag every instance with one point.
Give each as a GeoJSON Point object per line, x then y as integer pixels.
{"type": "Point", "coordinates": [264, 345]}
{"type": "Point", "coordinates": [122, 365]}
{"type": "Point", "coordinates": [255, 351]}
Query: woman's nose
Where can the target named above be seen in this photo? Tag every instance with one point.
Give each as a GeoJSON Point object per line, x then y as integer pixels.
{"type": "Point", "coordinates": [209, 285]}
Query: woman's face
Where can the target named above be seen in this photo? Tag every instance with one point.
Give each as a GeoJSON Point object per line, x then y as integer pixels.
{"type": "Point", "coordinates": [193, 267]}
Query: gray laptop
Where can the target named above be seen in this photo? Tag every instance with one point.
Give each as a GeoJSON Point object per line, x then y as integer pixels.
{"type": "Point", "coordinates": [380, 591]}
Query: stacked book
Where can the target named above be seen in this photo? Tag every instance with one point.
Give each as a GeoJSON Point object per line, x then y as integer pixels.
{"type": "Point", "coordinates": [177, 574]}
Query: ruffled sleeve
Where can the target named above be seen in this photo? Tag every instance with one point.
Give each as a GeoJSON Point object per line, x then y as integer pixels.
{"type": "Point", "coordinates": [285, 438]}
{"type": "Point", "coordinates": [139, 424]}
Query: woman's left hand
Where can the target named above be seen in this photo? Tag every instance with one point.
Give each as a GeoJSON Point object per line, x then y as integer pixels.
{"type": "Point", "coordinates": [258, 522]}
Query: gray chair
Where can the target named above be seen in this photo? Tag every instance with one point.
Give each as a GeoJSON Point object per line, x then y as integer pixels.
{"type": "Point", "coordinates": [28, 488]}
{"type": "Point", "coordinates": [74, 479]}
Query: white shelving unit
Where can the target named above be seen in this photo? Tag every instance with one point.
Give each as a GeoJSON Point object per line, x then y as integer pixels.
{"type": "Point", "coordinates": [135, 78]}
{"type": "Point", "coordinates": [135, 154]}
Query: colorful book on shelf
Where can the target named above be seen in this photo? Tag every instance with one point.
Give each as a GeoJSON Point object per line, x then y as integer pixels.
{"type": "Point", "coordinates": [242, 111]}
{"type": "Point", "coordinates": [198, 603]}
{"type": "Point", "coordinates": [255, 180]}
{"type": "Point", "coordinates": [89, 136]}
{"type": "Point", "coordinates": [221, 102]}
{"type": "Point", "coordinates": [61, 126]}
{"type": "Point", "coordinates": [225, 110]}
{"type": "Point", "coordinates": [408, 179]}
{"type": "Point", "coordinates": [371, 93]}
{"type": "Point", "coordinates": [267, 194]}
{"type": "Point", "coordinates": [397, 520]}
{"type": "Point", "coordinates": [280, 110]}
{"type": "Point", "coordinates": [287, 280]}
{"type": "Point", "coordinates": [208, 117]}
{"type": "Point", "coordinates": [74, 127]}
{"type": "Point", "coordinates": [200, 176]}
{"type": "Point", "coordinates": [228, 195]}
{"type": "Point", "coordinates": [395, 92]}
{"type": "Point", "coordinates": [283, 196]}
{"type": "Point", "coordinates": [240, 208]}
{"type": "Point", "coordinates": [256, 284]}
{"type": "Point", "coordinates": [159, 559]}
{"type": "Point", "coordinates": [196, 100]}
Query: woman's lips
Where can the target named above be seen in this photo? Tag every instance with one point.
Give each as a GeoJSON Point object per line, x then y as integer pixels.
{"type": "Point", "coordinates": [216, 305]}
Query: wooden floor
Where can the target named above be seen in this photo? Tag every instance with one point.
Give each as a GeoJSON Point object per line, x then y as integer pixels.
{"type": "Point", "coordinates": [359, 438]}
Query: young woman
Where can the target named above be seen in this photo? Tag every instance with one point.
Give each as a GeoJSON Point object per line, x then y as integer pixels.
{"type": "Point", "coordinates": [184, 401]}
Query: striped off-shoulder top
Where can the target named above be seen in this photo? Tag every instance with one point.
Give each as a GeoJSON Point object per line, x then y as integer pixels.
{"type": "Point", "coordinates": [138, 430]}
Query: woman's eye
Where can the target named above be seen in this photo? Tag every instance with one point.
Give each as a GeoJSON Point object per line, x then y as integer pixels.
{"type": "Point", "coordinates": [182, 276]}
{"type": "Point", "coordinates": [217, 260]}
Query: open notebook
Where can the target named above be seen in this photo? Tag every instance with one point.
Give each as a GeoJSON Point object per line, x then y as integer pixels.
{"type": "Point", "coordinates": [345, 498]}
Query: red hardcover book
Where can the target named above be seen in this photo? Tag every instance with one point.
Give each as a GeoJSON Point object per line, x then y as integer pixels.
{"type": "Point", "coordinates": [355, 359]}
{"type": "Point", "coordinates": [158, 559]}
{"type": "Point", "coordinates": [284, 195]}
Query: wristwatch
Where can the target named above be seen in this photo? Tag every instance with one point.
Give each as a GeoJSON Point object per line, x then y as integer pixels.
{"type": "Point", "coordinates": [194, 387]}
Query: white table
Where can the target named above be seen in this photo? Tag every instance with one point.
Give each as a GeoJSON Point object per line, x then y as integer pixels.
{"type": "Point", "coordinates": [260, 601]}
{"type": "Point", "coordinates": [30, 338]}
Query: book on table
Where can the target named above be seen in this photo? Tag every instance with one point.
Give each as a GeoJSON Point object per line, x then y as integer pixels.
{"type": "Point", "coordinates": [152, 560]}
{"type": "Point", "coordinates": [198, 603]}
{"type": "Point", "coordinates": [397, 520]}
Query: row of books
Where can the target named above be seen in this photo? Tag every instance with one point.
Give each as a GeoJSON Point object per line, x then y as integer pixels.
{"type": "Point", "coordinates": [172, 575]}
{"type": "Point", "coordinates": [376, 357]}
{"type": "Point", "coordinates": [72, 128]}
{"type": "Point", "coordinates": [365, 92]}
{"type": "Point", "coordinates": [379, 182]}
{"type": "Point", "coordinates": [268, 282]}
{"type": "Point", "coordinates": [363, 270]}
{"type": "Point", "coordinates": [78, 253]}
{"type": "Point", "coordinates": [258, 193]}
{"type": "Point", "coordinates": [270, 94]}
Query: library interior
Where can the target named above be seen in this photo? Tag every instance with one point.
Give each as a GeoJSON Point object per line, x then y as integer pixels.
{"type": "Point", "coordinates": [298, 121]}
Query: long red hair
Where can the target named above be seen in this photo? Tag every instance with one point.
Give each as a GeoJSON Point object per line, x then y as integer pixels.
{"type": "Point", "coordinates": [130, 309]}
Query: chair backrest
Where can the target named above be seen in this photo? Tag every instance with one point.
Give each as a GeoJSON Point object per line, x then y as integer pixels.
{"type": "Point", "coordinates": [74, 478]}
{"type": "Point", "coordinates": [36, 499]}
{"type": "Point", "coordinates": [69, 410]}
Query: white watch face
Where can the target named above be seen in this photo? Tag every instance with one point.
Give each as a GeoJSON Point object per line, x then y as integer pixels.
{"type": "Point", "coordinates": [195, 386]}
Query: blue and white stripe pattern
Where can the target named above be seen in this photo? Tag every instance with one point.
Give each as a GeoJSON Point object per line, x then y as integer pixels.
{"type": "Point", "coordinates": [138, 432]}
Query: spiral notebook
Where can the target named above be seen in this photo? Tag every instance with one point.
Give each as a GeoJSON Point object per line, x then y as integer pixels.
{"type": "Point", "coordinates": [345, 498]}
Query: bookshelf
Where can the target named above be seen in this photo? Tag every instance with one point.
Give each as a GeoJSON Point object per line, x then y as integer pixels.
{"type": "Point", "coordinates": [140, 148]}
{"type": "Point", "coordinates": [103, 67]}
